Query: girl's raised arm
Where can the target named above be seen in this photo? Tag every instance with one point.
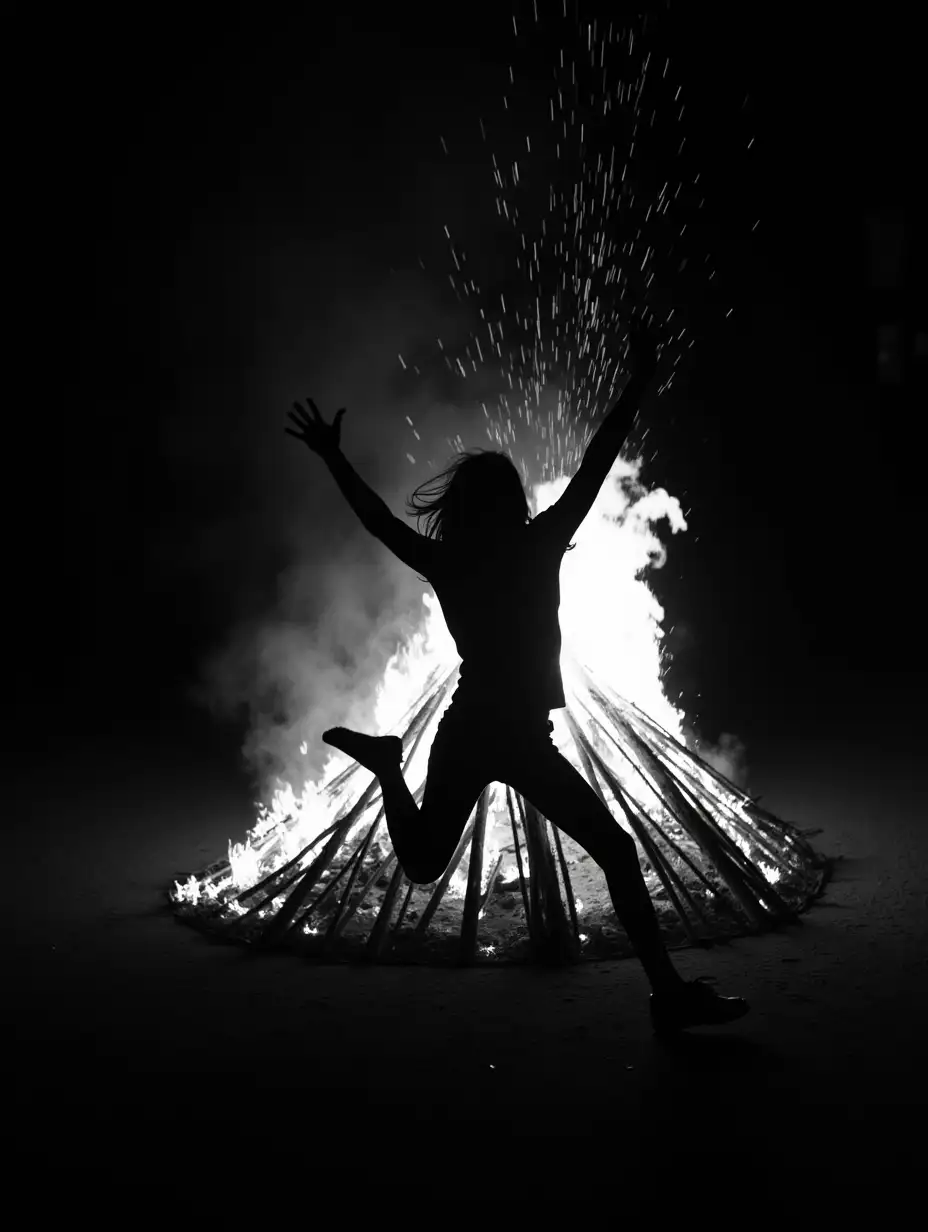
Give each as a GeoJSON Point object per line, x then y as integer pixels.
{"type": "Point", "coordinates": [374, 514]}
{"type": "Point", "coordinates": [577, 500]}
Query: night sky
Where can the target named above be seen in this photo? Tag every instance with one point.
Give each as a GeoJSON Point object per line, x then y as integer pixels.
{"type": "Point", "coordinates": [219, 213]}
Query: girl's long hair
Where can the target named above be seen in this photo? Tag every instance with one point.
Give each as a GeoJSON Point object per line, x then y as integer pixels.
{"type": "Point", "coordinates": [480, 484]}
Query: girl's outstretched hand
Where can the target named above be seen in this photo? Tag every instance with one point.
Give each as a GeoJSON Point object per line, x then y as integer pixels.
{"type": "Point", "coordinates": [322, 438]}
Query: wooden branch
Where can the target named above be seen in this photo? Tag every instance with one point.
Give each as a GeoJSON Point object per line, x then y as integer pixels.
{"type": "Point", "coordinates": [379, 934]}
{"type": "Point", "coordinates": [522, 878]}
{"type": "Point", "coordinates": [344, 913]}
{"type": "Point", "coordinates": [545, 890]}
{"type": "Point", "coordinates": [468, 948]}
{"type": "Point", "coordinates": [568, 889]}
{"type": "Point", "coordinates": [410, 888]}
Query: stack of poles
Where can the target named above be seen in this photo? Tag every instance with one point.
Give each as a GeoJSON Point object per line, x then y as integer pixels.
{"type": "Point", "coordinates": [668, 773]}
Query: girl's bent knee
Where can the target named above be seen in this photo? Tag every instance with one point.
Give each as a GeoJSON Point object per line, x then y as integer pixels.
{"type": "Point", "coordinates": [427, 867]}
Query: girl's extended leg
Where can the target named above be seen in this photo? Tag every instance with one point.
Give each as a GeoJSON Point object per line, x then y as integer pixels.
{"type": "Point", "coordinates": [424, 839]}
{"type": "Point", "coordinates": [561, 794]}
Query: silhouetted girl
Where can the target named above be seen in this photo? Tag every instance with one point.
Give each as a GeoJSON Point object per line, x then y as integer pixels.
{"type": "Point", "coordinates": [495, 571]}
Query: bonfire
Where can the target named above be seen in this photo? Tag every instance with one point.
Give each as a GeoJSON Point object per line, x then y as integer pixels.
{"type": "Point", "coordinates": [318, 874]}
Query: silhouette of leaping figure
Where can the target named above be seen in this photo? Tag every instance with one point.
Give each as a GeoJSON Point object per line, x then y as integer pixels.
{"type": "Point", "coordinates": [495, 571]}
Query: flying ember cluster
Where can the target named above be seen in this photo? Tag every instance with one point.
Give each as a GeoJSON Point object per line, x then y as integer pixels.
{"type": "Point", "coordinates": [590, 231]}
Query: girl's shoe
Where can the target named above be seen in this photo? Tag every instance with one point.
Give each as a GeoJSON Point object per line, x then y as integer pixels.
{"type": "Point", "coordinates": [693, 1005]}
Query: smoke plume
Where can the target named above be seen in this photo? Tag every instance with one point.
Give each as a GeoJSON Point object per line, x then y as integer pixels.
{"type": "Point", "coordinates": [728, 756]}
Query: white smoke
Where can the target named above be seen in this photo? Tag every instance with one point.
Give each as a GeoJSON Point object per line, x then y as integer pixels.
{"type": "Point", "coordinates": [728, 756]}
{"type": "Point", "coordinates": [314, 662]}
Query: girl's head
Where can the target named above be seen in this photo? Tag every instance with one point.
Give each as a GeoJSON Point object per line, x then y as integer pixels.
{"type": "Point", "coordinates": [479, 494]}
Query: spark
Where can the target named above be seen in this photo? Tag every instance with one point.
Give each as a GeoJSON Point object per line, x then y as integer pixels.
{"type": "Point", "coordinates": [596, 233]}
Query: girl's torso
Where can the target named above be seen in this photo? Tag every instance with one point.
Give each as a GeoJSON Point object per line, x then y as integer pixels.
{"type": "Point", "coordinates": [500, 599]}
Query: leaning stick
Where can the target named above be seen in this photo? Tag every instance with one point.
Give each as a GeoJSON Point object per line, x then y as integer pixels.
{"type": "Point", "coordinates": [379, 933]}
{"type": "Point", "coordinates": [405, 907]}
{"type": "Point", "coordinates": [515, 835]}
{"type": "Point", "coordinates": [568, 889]}
{"type": "Point", "coordinates": [485, 897]}
{"type": "Point", "coordinates": [474, 874]}
{"type": "Point", "coordinates": [339, 920]}
{"type": "Point", "coordinates": [325, 892]}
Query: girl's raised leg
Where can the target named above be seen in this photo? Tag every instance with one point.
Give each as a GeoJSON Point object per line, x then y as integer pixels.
{"type": "Point", "coordinates": [425, 838]}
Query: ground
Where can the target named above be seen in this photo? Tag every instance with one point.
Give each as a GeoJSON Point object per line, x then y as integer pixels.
{"type": "Point", "coordinates": [137, 1040]}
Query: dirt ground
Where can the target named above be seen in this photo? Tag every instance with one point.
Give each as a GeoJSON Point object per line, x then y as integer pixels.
{"type": "Point", "coordinates": [143, 1049]}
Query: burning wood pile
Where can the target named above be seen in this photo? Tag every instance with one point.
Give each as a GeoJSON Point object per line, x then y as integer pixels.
{"type": "Point", "coordinates": [718, 866]}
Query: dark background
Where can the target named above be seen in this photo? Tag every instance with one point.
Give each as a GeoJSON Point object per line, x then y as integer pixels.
{"type": "Point", "coordinates": [212, 208]}
{"type": "Point", "coordinates": [204, 208]}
